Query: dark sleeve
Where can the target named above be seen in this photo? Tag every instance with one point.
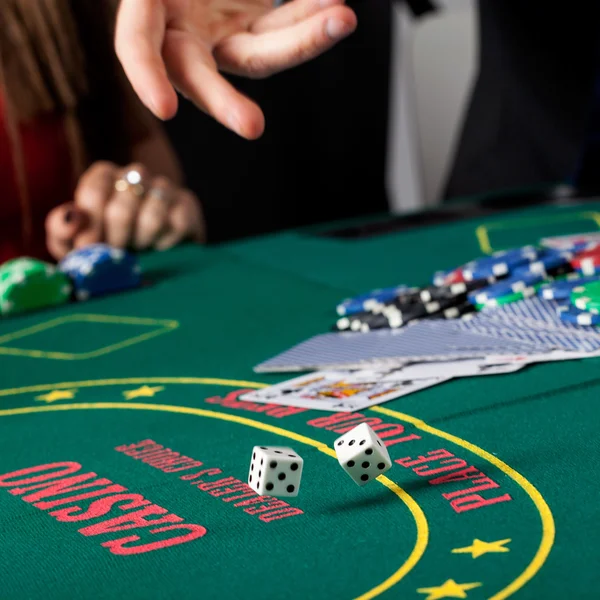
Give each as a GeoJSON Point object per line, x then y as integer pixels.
{"type": "Point", "coordinates": [528, 109]}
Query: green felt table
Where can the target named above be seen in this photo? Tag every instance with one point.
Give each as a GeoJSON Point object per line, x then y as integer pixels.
{"type": "Point", "coordinates": [493, 491]}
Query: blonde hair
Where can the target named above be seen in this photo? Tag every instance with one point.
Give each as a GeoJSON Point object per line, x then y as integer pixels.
{"type": "Point", "coordinates": [44, 69]}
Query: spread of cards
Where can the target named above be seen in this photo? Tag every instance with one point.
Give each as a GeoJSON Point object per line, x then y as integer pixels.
{"type": "Point", "coordinates": [493, 315]}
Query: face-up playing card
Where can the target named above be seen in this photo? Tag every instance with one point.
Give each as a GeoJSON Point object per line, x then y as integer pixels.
{"type": "Point", "coordinates": [462, 368]}
{"type": "Point", "coordinates": [528, 359]}
{"type": "Point", "coordinates": [339, 391]}
{"type": "Point", "coordinates": [424, 341]}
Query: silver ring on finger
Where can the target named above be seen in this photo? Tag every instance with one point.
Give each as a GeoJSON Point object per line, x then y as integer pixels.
{"type": "Point", "coordinates": [131, 181]}
{"type": "Point", "coordinates": [163, 194]}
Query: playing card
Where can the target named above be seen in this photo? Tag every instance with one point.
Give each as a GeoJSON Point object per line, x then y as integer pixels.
{"type": "Point", "coordinates": [340, 391]}
{"type": "Point", "coordinates": [565, 242]}
{"type": "Point", "coordinates": [462, 368]}
{"type": "Point", "coordinates": [555, 355]}
{"type": "Point", "coordinates": [278, 392]}
{"type": "Point", "coordinates": [535, 312]}
{"type": "Point", "coordinates": [534, 321]}
{"type": "Point", "coordinates": [424, 341]}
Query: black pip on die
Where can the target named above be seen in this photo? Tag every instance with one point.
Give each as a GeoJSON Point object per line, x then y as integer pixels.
{"type": "Point", "coordinates": [362, 454]}
{"type": "Point", "coordinates": [275, 471]}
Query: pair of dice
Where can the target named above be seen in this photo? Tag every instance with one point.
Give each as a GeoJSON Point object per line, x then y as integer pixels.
{"type": "Point", "coordinates": [277, 470]}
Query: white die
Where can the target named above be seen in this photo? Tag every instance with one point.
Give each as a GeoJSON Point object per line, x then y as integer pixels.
{"type": "Point", "coordinates": [275, 471]}
{"type": "Point", "coordinates": [362, 454]}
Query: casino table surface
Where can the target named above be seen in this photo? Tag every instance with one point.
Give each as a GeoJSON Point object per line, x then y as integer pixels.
{"type": "Point", "coordinates": [124, 449]}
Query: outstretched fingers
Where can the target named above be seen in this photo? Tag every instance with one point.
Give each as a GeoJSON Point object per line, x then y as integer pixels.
{"type": "Point", "coordinates": [194, 73]}
{"type": "Point", "coordinates": [139, 36]}
{"type": "Point", "coordinates": [260, 55]}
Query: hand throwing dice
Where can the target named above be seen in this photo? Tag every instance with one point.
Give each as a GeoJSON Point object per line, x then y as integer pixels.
{"type": "Point", "coordinates": [275, 471]}
{"type": "Point", "coordinates": [362, 454]}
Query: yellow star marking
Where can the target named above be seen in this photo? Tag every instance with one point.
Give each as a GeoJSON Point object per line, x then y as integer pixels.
{"type": "Point", "coordinates": [143, 392]}
{"type": "Point", "coordinates": [55, 395]}
{"type": "Point", "coordinates": [448, 589]}
{"type": "Point", "coordinates": [479, 548]}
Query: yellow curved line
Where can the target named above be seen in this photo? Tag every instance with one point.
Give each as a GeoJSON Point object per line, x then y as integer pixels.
{"type": "Point", "coordinates": [483, 231]}
{"type": "Point", "coordinates": [548, 528]}
{"type": "Point", "coordinates": [484, 239]}
{"type": "Point", "coordinates": [594, 216]}
{"type": "Point", "coordinates": [131, 381]}
{"type": "Point", "coordinates": [418, 550]}
{"type": "Point", "coordinates": [418, 515]}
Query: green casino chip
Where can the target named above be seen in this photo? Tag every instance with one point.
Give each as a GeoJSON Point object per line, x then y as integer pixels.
{"type": "Point", "coordinates": [28, 284]}
{"type": "Point", "coordinates": [587, 297]}
{"type": "Point", "coordinates": [527, 292]}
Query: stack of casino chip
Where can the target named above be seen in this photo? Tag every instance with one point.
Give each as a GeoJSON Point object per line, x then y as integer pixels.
{"type": "Point", "coordinates": [441, 302]}
{"type": "Point", "coordinates": [28, 284]}
{"type": "Point", "coordinates": [365, 302]}
{"type": "Point", "coordinates": [524, 278]}
{"type": "Point", "coordinates": [577, 295]}
{"type": "Point", "coordinates": [579, 301]}
{"type": "Point", "coordinates": [490, 281]}
{"type": "Point", "coordinates": [587, 262]}
{"type": "Point", "coordinates": [99, 269]}
{"type": "Point", "coordinates": [499, 264]}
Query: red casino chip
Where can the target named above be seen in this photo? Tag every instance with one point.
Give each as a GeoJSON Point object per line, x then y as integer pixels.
{"type": "Point", "coordinates": [587, 262]}
{"type": "Point", "coordinates": [455, 276]}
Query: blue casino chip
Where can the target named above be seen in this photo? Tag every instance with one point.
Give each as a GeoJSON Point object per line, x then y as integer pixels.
{"type": "Point", "coordinates": [576, 247]}
{"type": "Point", "coordinates": [499, 264]}
{"type": "Point", "coordinates": [570, 314]}
{"type": "Point", "coordinates": [547, 261]}
{"type": "Point", "coordinates": [504, 287]}
{"type": "Point", "coordinates": [369, 300]}
{"type": "Point", "coordinates": [561, 290]}
{"type": "Point", "coordinates": [99, 269]}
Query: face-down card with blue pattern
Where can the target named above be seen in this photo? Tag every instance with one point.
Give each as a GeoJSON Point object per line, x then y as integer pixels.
{"type": "Point", "coordinates": [536, 321]}
{"type": "Point", "coordinates": [422, 342]}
